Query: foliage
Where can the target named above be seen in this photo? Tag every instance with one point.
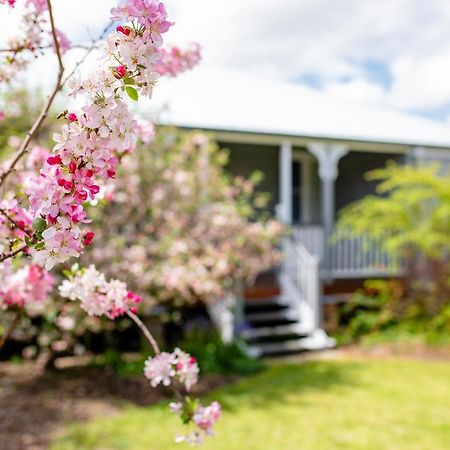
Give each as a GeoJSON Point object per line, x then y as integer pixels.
{"type": "Point", "coordinates": [411, 217]}
{"type": "Point", "coordinates": [379, 313]}
{"type": "Point", "coordinates": [411, 212]}
{"type": "Point", "coordinates": [215, 356]}
{"type": "Point", "coordinates": [344, 404]}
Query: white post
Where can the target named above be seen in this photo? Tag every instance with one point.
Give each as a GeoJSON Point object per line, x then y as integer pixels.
{"type": "Point", "coordinates": [285, 183]}
{"type": "Point", "coordinates": [306, 197]}
{"type": "Point", "coordinates": [328, 156]}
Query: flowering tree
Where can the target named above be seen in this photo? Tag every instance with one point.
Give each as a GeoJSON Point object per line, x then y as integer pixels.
{"type": "Point", "coordinates": [186, 230]}
{"type": "Point", "coordinates": [45, 221]}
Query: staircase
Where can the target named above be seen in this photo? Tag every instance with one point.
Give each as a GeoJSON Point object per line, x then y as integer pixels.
{"type": "Point", "coordinates": [281, 312]}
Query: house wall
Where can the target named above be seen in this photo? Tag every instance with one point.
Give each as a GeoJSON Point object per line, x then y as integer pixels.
{"type": "Point", "coordinates": [351, 184]}
{"type": "Point", "coordinates": [246, 158]}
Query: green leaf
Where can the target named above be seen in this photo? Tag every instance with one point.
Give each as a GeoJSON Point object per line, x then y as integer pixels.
{"type": "Point", "coordinates": [67, 273]}
{"type": "Point", "coordinates": [39, 224]}
{"type": "Point", "coordinates": [129, 80]}
{"type": "Point", "coordinates": [39, 246]}
{"type": "Point", "coordinates": [132, 93]}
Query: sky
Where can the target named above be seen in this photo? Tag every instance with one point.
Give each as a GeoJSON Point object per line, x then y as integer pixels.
{"type": "Point", "coordinates": [393, 53]}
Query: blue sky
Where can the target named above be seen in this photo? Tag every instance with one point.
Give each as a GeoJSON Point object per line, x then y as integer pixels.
{"type": "Point", "coordinates": [394, 53]}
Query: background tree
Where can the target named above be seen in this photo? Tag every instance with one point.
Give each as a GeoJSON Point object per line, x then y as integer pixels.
{"type": "Point", "coordinates": [410, 215]}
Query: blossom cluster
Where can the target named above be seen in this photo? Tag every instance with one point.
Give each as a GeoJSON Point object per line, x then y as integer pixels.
{"type": "Point", "coordinates": [97, 296]}
{"type": "Point", "coordinates": [91, 143]}
{"type": "Point", "coordinates": [179, 365]}
{"type": "Point", "coordinates": [8, 2]}
{"type": "Point", "coordinates": [15, 224]}
{"type": "Point", "coordinates": [34, 37]}
{"type": "Point", "coordinates": [164, 366]}
{"type": "Point", "coordinates": [27, 287]}
{"type": "Point", "coordinates": [175, 60]}
{"type": "Point", "coordinates": [203, 417]}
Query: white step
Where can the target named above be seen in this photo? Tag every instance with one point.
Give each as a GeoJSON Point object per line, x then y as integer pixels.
{"type": "Point", "coordinates": [318, 340]}
{"type": "Point", "coordinates": [283, 314]}
{"type": "Point", "coordinates": [278, 330]}
{"type": "Point", "coordinates": [267, 301]}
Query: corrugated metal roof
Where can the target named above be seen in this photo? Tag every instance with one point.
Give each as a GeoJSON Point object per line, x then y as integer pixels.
{"type": "Point", "coordinates": [235, 101]}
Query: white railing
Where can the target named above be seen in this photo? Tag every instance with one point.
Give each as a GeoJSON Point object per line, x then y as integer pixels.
{"type": "Point", "coordinates": [349, 256]}
{"type": "Point", "coordinates": [302, 282]}
{"type": "Point", "coordinates": [361, 256]}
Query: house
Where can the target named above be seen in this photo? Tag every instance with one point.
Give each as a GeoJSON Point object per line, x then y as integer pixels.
{"type": "Point", "coordinates": [314, 151]}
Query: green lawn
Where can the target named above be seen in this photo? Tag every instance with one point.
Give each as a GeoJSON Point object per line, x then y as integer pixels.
{"type": "Point", "coordinates": [322, 405]}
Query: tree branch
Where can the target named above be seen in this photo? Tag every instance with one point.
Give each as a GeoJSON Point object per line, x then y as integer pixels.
{"type": "Point", "coordinates": [43, 115]}
{"type": "Point", "coordinates": [12, 253]}
{"type": "Point", "coordinates": [16, 224]}
{"type": "Point", "coordinates": [146, 331]}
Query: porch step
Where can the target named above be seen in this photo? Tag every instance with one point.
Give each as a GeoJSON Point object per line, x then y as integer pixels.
{"type": "Point", "coordinates": [318, 340]}
{"type": "Point", "coordinates": [266, 303]}
{"type": "Point", "coordinates": [285, 314]}
{"type": "Point", "coordinates": [278, 330]}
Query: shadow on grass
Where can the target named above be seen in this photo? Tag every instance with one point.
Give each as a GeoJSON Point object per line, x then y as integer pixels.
{"type": "Point", "coordinates": [278, 383]}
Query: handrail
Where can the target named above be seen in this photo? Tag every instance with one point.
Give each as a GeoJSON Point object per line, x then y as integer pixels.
{"type": "Point", "coordinates": [303, 280]}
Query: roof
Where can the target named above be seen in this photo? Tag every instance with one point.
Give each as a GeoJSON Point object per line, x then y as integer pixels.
{"type": "Point", "coordinates": [233, 101]}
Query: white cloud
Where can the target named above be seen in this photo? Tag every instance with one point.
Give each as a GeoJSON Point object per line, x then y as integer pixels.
{"type": "Point", "coordinates": [290, 39]}
{"type": "Point", "coordinates": [330, 40]}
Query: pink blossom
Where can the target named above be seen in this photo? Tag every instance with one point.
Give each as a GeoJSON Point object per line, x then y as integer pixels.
{"type": "Point", "coordinates": [97, 296]}
{"type": "Point", "coordinates": [160, 369]}
{"type": "Point", "coordinates": [187, 368]}
{"type": "Point", "coordinates": [8, 2]}
{"type": "Point", "coordinates": [145, 130]}
{"type": "Point", "coordinates": [203, 417]}
{"type": "Point", "coordinates": [206, 417]}
{"type": "Point", "coordinates": [175, 60]}
{"type": "Point", "coordinates": [63, 41]}
{"type": "Point", "coordinates": [164, 366]}
{"type": "Point", "coordinates": [27, 287]}
{"type": "Point", "coordinates": [39, 5]}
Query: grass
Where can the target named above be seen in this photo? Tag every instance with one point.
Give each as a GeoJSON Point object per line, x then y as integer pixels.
{"type": "Point", "coordinates": [321, 405]}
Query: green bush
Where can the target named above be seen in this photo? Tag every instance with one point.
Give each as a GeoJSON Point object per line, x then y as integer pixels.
{"type": "Point", "coordinates": [379, 312]}
{"type": "Point", "coordinates": [215, 356]}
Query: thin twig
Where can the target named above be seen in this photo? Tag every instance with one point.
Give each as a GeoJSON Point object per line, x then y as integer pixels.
{"type": "Point", "coordinates": [42, 116]}
{"type": "Point", "coordinates": [42, 47]}
{"type": "Point", "coordinates": [153, 344]}
{"type": "Point", "coordinates": [145, 330]}
{"type": "Point", "coordinates": [88, 52]}
{"type": "Point", "coordinates": [12, 253]}
{"type": "Point", "coordinates": [10, 330]}
{"type": "Point", "coordinates": [16, 224]}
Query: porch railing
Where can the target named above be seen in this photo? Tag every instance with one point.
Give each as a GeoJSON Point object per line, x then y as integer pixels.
{"type": "Point", "coordinates": [302, 281]}
{"type": "Point", "coordinates": [349, 256]}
